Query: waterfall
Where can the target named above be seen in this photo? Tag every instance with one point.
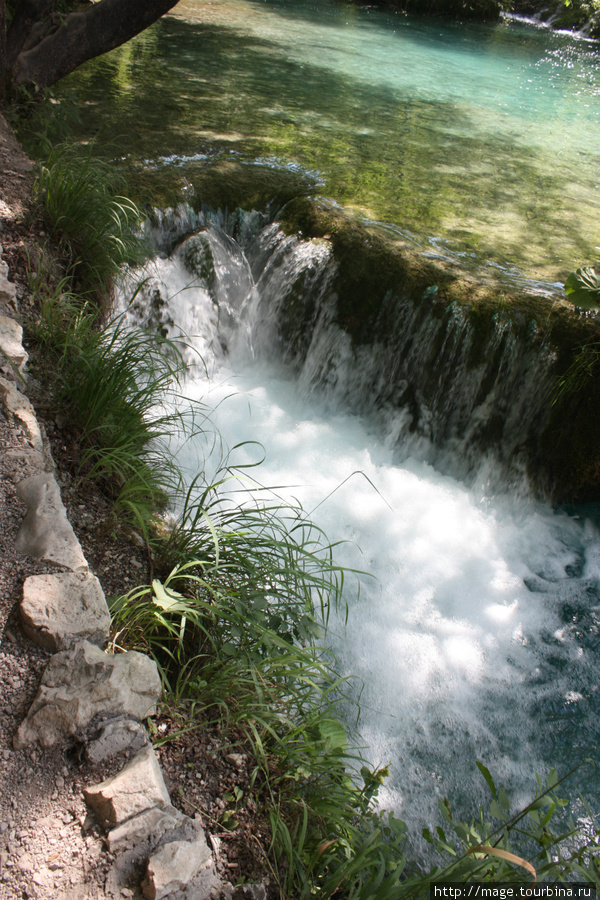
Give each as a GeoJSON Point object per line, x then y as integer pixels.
{"type": "Point", "coordinates": [478, 636]}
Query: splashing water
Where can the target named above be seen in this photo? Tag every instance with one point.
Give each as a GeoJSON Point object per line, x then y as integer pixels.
{"type": "Point", "coordinates": [476, 635]}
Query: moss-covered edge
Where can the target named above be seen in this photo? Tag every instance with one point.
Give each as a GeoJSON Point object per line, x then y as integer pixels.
{"type": "Point", "coordinates": [372, 266]}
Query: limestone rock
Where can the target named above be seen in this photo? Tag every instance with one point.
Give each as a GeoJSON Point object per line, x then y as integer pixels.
{"type": "Point", "coordinates": [57, 611]}
{"type": "Point", "coordinates": [11, 342]}
{"type": "Point", "coordinates": [19, 409]}
{"type": "Point", "coordinates": [46, 532]}
{"type": "Point", "coordinates": [80, 683]}
{"type": "Point", "coordinates": [116, 736]}
{"type": "Point", "coordinates": [8, 291]}
{"type": "Point", "coordinates": [138, 786]}
{"type": "Point", "coordinates": [173, 867]}
{"type": "Point", "coordinates": [151, 824]}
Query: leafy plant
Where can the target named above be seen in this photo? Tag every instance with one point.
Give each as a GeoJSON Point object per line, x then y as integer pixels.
{"type": "Point", "coordinates": [583, 368]}
{"type": "Point", "coordinates": [583, 288]}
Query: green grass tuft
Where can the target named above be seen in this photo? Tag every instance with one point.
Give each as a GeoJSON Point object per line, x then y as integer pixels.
{"type": "Point", "coordinates": [95, 226]}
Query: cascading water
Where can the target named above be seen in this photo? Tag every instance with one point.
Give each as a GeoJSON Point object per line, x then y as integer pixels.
{"type": "Point", "coordinates": [478, 635]}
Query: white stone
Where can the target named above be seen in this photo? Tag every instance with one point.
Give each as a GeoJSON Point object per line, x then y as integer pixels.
{"type": "Point", "coordinates": [19, 409]}
{"type": "Point", "coordinates": [11, 342]}
{"type": "Point", "coordinates": [59, 610]}
{"type": "Point", "coordinates": [150, 824]}
{"type": "Point", "coordinates": [8, 291]}
{"type": "Point", "coordinates": [173, 867]}
{"type": "Point", "coordinates": [81, 683]}
{"type": "Point", "coordinates": [138, 787]}
{"type": "Point", "coordinates": [46, 532]}
{"type": "Point", "coordinates": [116, 736]}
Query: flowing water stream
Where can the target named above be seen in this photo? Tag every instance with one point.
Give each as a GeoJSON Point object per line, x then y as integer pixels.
{"type": "Point", "coordinates": [478, 636]}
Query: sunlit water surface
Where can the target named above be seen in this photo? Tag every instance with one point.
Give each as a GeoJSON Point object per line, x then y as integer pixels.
{"type": "Point", "coordinates": [487, 137]}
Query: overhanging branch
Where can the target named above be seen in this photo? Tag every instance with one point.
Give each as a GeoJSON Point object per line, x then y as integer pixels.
{"type": "Point", "coordinates": [84, 35]}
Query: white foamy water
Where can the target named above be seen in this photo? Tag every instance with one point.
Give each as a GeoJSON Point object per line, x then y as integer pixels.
{"type": "Point", "coordinates": [475, 635]}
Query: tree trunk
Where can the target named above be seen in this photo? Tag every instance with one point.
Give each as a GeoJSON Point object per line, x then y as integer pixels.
{"type": "Point", "coordinates": [84, 35]}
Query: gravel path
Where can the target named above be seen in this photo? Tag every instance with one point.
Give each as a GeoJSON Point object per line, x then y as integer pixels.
{"type": "Point", "coordinates": [50, 846]}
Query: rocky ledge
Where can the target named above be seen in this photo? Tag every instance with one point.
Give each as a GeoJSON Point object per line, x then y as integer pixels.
{"type": "Point", "coordinates": [86, 699]}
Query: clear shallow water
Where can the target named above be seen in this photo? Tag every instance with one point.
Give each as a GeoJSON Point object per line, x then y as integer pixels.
{"type": "Point", "coordinates": [485, 136]}
{"type": "Point", "coordinates": [477, 635]}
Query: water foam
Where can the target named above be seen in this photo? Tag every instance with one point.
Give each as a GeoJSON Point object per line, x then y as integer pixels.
{"type": "Point", "coordinates": [476, 634]}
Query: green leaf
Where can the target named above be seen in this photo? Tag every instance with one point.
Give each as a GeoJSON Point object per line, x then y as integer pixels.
{"type": "Point", "coordinates": [333, 734]}
{"type": "Point", "coordinates": [165, 597]}
{"type": "Point", "coordinates": [582, 288]}
{"type": "Point", "coordinates": [489, 780]}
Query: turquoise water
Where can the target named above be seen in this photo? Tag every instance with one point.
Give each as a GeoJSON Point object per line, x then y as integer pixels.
{"type": "Point", "coordinates": [486, 138]}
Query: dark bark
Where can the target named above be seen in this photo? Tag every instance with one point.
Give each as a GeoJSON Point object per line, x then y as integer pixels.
{"type": "Point", "coordinates": [27, 14]}
{"type": "Point", "coordinates": [83, 35]}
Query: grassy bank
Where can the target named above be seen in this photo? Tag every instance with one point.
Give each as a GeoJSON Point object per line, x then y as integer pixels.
{"type": "Point", "coordinates": [237, 607]}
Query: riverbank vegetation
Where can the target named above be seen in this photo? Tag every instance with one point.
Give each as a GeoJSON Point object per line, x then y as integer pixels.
{"type": "Point", "coordinates": [573, 15]}
{"type": "Point", "coordinates": [236, 610]}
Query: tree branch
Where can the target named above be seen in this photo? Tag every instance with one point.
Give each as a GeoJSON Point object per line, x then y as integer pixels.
{"type": "Point", "coordinates": [28, 13]}
{"type": "Point", "coordinates": [84, 35]}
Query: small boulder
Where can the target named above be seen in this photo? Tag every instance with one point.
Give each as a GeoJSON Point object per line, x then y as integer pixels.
{"type": "Point", "coordinates": [8, 291]}
{"type": "Point", "coordinates": [19, 409]}
{"type": "Point", "coordinates": [11, 342]}
{"type": "Point", "coordinates": [46, 532]}
{"type": "Point", "coordinates": [82, 682]}
{"type": "Point", "coordinates": [58, 611]}
{"type": "Point", "coordinates": [138, 786]}
{"type": "Point", "coordinates": [116, 736]}
{"type": "Point", "coordinates": [174, 866]}
{"type": "Point", "coordinates": [149, 825]}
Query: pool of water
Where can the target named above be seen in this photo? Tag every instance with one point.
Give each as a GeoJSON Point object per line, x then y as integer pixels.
{"type": "Point", "coordinates": [486, 137]}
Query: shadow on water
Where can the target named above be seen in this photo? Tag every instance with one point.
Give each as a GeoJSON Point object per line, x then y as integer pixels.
{"type": "Point", "coordinates": [189, 88]}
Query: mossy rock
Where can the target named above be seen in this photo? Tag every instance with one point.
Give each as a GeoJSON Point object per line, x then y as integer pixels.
{"type": "Point", "coordinates": [197, 257]}
{"type": "Point", "coordinates": [224, 184]}
{"type": "Point", "coordinates": [374, 268]}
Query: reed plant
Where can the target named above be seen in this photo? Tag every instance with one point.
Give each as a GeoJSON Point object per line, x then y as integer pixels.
{"type": "Point", "coordinates": [112, 383]}
{"type": "Point", "coordinates": [96, 228]}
